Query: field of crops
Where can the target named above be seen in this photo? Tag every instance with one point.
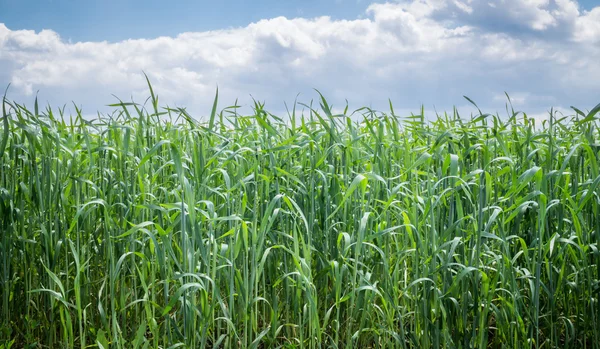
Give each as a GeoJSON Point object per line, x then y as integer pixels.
{"type": "Point", "coordinates": [149, 229]}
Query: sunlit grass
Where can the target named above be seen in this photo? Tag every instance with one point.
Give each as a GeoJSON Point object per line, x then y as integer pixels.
{"type": "Point", "coordinates": [148, 229]}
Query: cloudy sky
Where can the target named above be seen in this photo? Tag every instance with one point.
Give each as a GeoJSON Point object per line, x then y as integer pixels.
{"type": "Point", "coordinates": [544, 53]}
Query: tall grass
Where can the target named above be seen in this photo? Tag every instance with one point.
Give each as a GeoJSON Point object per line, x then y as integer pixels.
{"type": "Point", "coordinates": [148, 229]}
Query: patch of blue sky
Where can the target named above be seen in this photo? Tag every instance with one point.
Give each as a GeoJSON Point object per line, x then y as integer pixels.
{"type": "Point", "coordinates": [116, 20]}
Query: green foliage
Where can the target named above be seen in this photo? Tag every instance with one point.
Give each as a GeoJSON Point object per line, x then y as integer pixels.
{"type": "Point", "coordinates": [149, 229]}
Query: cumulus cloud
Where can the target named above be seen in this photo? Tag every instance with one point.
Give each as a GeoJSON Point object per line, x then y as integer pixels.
{"type": "Point", "coordinates": [414, 52]}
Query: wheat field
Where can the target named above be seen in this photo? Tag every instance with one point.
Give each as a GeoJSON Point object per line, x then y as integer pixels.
{"type": "Point", "coordinates": [147, 228]}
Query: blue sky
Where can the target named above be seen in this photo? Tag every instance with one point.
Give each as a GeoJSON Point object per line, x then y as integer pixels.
{"type": "Point", "coordinates": [431, 52]}
{"type": "Point", "coordinates": [115, 20]}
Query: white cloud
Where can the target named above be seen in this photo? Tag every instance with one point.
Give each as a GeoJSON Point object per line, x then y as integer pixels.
{"type": "Point", "coordinates": [424, 51]}
{"type": "Point", "coordinates": [587, 27]}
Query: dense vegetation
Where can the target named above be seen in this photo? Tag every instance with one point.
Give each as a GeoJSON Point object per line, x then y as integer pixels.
{"type": "Point", "coordinates": [149, 229]}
